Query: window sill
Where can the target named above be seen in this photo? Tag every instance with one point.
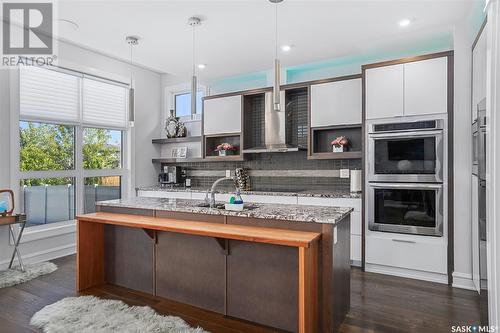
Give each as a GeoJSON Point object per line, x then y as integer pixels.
{"type": "Point", "coordinates": [48, 230]}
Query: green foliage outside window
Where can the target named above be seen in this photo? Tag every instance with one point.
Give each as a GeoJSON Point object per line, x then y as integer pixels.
{"type": "Point", "coordinates": [52, 147]}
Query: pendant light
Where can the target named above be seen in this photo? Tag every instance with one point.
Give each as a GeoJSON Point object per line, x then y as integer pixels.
{"type": "Point", "coordinates": [132, 41]}
{"type": "Point", "coordinates": [277, 66]}
{"type": "Point", "coordinates": [194, 22]}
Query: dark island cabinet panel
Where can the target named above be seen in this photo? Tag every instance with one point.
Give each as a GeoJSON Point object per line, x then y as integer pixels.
{"type": "Point", "coordinates": [190, 269]}
{"type": "Point", "coordinates": [129, 250]}
{"type": "Point", "coordinates": [262, 284]}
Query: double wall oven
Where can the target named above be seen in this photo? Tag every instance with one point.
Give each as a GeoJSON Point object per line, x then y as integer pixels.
{"type": "Point", "coordinates": [405, 177]}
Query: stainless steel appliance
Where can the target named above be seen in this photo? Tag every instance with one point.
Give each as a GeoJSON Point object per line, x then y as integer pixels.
{"type": "Point", "coordinates": [406, 176]}
{"type": "Point", "coordinates": [172, 175]}
{"type": "Point", "coordinates": [406, 152]}
{"type": "Point", "coordinates": [410, 208]}
{"type": "Point", "coordinates": [483, 222]}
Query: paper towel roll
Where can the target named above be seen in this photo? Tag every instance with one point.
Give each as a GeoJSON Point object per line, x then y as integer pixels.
{"type": "Point", "coordinates": [355, 180]}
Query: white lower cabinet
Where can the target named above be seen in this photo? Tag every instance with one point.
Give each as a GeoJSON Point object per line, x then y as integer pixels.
{"type": "Point", "coordinates": [164, 194]}
{"type": "Point", "coordinates": [356, 223]}
{"type": "Point", "coordinates": [413, 253]}
{"type": "Point", "coordinates": [356, 250]}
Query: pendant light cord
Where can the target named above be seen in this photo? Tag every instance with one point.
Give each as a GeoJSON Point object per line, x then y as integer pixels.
{"type": "Point", "coordinates": [276, 31]}
{"type": "Point", "coordinates": [194, 45]}
{"type": "Point", "coordinates": [131, 48]}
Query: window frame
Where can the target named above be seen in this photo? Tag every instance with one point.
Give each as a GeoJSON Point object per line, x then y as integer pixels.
{"type": "Point", "coordinates": [78, 173]}
{"type": "Point", "coordinates": [174, 95]}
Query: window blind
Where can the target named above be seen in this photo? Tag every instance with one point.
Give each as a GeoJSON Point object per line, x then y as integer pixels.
{"type": "Point", "coordinates": [104, 104]}
{"type": "Point", "coordinates": [48, 95]}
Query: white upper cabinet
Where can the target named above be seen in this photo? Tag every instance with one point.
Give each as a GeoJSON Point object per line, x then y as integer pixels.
{"type": "Point", "coordinates": [478, 73]}
{"type": "Point", "coordinates": [336, 103]}
{"type": "Point", "coordinates": [222, 115]}
{"type": "Point", "coordinates": [425, 87]}
{"type": "Point", "coordinates": [409, 89]}
{"type": "Point", "coordinates": [384, 92]}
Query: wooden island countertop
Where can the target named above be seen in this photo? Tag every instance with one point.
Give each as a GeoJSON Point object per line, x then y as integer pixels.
{"type": "Point", "coordinates": [227, 231]}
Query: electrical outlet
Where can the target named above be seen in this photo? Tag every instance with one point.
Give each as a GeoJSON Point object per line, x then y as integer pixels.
{"type": "Point", "coordinates": [228, 173]}
{"type": "Point", "coordinates": [344, 173]}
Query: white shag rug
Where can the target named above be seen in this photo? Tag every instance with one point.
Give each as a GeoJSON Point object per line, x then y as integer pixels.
{"type": "Point", "coordinates": [89, 314]}
{"type": "Point", "coordinates": [11, 277]}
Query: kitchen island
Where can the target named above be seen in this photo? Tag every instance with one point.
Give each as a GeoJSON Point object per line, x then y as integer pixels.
{"type": "Point", "coordinates": [276, 265]}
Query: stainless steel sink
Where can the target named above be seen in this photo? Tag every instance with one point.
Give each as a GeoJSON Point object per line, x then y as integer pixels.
{"type": "Point", "coordinates": [221, 206]}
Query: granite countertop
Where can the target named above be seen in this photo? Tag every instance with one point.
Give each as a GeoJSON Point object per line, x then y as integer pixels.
{"type": "Point", "coordinates": [312, 193]}
{"type": "Point", "coordinates": [299, 213]}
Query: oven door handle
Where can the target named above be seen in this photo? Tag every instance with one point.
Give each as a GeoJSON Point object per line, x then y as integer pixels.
{"type": "Point", "coordinates": [405, 135]}
{"type": "Point", "coordinates": [407, 186]}
{"type": "Point", "coordinates": [403, 241]}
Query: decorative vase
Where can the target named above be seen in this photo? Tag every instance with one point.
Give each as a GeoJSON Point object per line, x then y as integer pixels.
{"type": "Point", "coordinates": [226, 152]}
{"type": "Point", "coordinates": [171, 125]}
{"type": "Point", "coordinates": [181, 130]}
{"type": "Point", "coordinates": [338, 149]}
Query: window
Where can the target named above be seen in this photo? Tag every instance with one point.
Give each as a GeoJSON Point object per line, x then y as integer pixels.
{"type": "Point", "coordinates": [100, 189]}
{"type": "Point", "coordinates": [183, 103]}
{"type": "Point", "coordinates": [72, 132]}
{"type": "Point", "coordinates": [46, 146]}
{"type": "Point", "coordinates": [101, 148]}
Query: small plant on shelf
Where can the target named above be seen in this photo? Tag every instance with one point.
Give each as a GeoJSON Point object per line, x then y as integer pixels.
{"type": "Point", "coordinates": [225, 149]}
{"type": "Point", "coordinates": [340, 144]}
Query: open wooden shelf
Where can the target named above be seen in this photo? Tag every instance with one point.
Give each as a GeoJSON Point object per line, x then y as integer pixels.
{"type": "Point", "coordinates": [336, 156]}
{"type": "Point", "coordinates": [212, 141]}
{"type": "Point", "coordinates": [224, 158]}
{"type": "Point", "coordinates": [322, 136]}
{"type": "Point", "coordinates": [177, 140]}
{"type": "Point", "coordinates": [178, 160]}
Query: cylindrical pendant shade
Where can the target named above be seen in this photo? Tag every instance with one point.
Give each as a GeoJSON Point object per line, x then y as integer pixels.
{"type": "Point", "coordinates": [193, 95]}
{"type": "Point", "coordinates": [131, 106]}
{"type": "Point", "coordinates": [276, 88]}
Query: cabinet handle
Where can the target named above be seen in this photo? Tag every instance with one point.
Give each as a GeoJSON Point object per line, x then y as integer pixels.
{"type": "Point", "coordinates": [403, 241]}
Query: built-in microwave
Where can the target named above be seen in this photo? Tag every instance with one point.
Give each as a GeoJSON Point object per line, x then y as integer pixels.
{"type": "Point", "coordinates": [409, 208]}
{"type": "Point", "coordinates": [406, 151]}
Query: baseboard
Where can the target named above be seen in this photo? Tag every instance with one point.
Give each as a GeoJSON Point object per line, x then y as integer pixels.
{"type": "Point", "coordinates": [44, 255]}
{"type": "Point", "coordinates": [356, 263]}
{"type": "Point", "coordinates": [463, 281]}
{"type": "Point", "coordinates": [407, 273]}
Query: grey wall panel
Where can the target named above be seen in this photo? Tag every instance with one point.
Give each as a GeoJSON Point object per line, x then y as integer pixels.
{"type": "Point", "coordinates": [190, 269]}
{"type": "Point", "coordinates": [262, 284]}
{"type": "Point", "coordinates": [129, 254]}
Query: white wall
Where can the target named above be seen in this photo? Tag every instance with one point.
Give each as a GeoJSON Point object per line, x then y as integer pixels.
{"type": "Point", "coordinates": [147, 126]}
{"type": "Point", "coordinates": [462, 150]}
{"type": "Point", "coordinates": [493, 161]}
{"type": "Point", "coordinates": [463, 38]}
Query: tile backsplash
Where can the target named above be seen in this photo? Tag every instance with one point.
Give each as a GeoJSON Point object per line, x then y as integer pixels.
{"type": "Point", "coordinates": [283, 172]}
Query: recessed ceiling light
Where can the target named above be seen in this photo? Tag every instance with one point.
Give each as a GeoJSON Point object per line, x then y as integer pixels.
{"type": "Point", "coordinates": [286, 48]}
{"type": "Point", "coordinates": [202, 66]}
{"type": "Point", "coordinates": [404, 22]}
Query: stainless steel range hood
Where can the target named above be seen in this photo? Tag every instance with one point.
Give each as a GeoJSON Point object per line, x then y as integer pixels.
{"type": "Point", "coordinates": [275, 129]}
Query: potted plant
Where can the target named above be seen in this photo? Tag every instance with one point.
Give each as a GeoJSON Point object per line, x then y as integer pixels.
{"type": "Point", "coordinates": [340, 144]}
{"type": "Point", "coordinates": [225, 149]}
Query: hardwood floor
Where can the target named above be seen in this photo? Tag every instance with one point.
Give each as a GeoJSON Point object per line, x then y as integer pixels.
{"type": "Point", "coordinates": [379, 303]}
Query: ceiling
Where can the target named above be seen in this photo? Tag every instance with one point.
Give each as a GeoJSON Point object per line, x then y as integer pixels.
{"type": "Point", "coordinates": [237, 36]}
